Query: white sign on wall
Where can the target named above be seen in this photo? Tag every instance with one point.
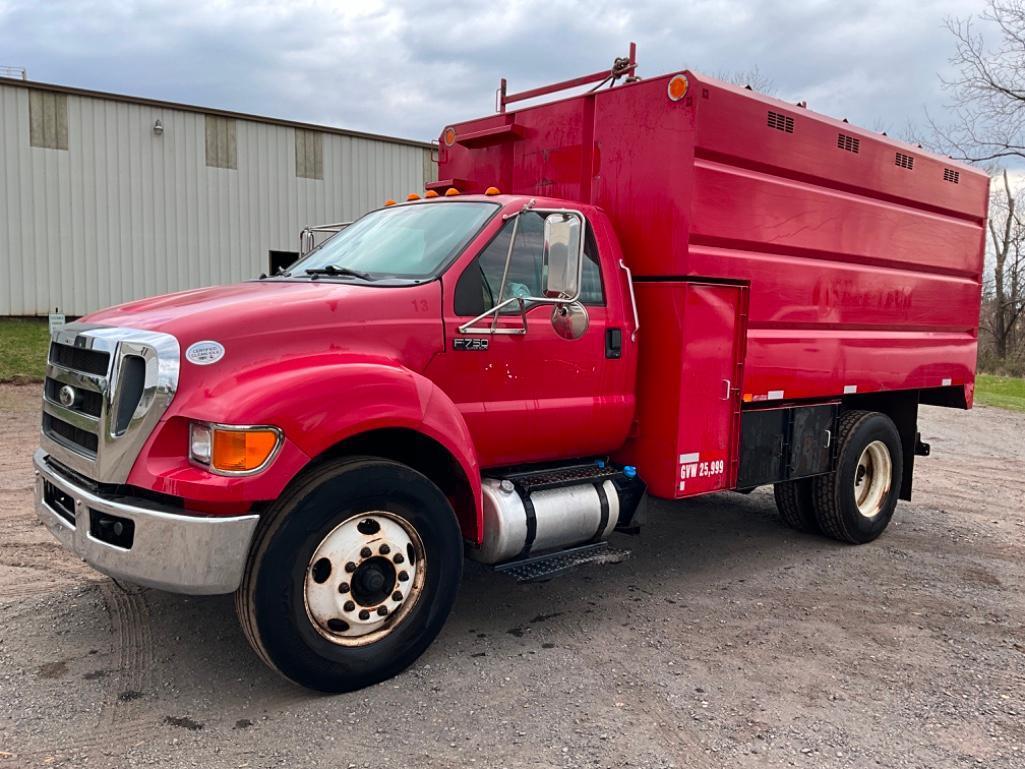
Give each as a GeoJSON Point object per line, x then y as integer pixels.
{"type": "Point", "coordinates": [56, 322]}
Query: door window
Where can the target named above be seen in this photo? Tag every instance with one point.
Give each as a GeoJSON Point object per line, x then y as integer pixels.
{"type": "Point", "coordinates": [479, 285]}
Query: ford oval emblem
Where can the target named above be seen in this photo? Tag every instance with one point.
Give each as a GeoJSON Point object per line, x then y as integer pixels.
{"type": "Point", "coordinates": [67, 396]}
{"type": "Point", "coordinates": [204, 353]}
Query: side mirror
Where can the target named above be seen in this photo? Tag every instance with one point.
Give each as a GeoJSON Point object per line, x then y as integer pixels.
{"type": "Point", "coordinates": [562, 255]}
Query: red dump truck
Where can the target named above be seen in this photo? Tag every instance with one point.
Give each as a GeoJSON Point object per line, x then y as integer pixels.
{"type": "Point", "coordinates": [662, 288]}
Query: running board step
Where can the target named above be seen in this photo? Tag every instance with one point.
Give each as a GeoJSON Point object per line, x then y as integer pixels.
{"type": "Point", "coordinates": [542, 567]}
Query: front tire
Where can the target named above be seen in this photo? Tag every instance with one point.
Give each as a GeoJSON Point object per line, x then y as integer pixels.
{"type": "Point", "coordinates": [855, 502]}
{"type": "Point", "coordinates": [352, 574]}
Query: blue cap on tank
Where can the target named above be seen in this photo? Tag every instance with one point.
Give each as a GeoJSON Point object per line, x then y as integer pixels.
{"type": "Point", "coordinates": [630, 471]}
{"type": "Point", "coordinates": [600, 463]}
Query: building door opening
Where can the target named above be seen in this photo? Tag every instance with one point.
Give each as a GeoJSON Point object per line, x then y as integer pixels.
{"type": "Point", "coordinates": [281, 260]}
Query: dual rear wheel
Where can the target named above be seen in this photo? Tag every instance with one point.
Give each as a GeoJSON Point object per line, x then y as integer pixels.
{"type": "Point", "coordinates": [855, 502]}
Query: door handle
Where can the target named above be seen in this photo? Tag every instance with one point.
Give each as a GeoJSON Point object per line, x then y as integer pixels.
{"type": "Point", "coordinates": [729, 386]}
{"type": "Point", "coordinates": [613, 343]}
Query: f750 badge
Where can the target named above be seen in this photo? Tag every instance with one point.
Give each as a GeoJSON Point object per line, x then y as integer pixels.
{"type": "Point", "coordinates": [470, 345]}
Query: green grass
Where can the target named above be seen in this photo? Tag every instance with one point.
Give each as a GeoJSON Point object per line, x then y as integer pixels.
{"type": "Point", "coordinates": [1003, 391]}
{"type": "Point", "coordinates": [23, 345]}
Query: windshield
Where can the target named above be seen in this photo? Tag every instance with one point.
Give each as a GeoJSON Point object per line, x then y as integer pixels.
{"type": "Point", "coordinates": [413, 241]}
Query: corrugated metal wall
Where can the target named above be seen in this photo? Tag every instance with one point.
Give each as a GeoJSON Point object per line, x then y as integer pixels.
{"type": "Point", "coordinates": [125, 213]}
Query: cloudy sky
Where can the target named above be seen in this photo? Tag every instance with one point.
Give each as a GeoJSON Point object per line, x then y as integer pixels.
{"type": "Point", "coordinates": [406, 68]}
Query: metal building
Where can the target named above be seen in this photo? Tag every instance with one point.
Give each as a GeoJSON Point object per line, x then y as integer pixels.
{"type": "Point", "coordinates": [107, 198]}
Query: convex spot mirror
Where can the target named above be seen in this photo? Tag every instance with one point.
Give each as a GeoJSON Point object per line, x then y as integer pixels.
{"type": "Point", "coordinates": [570, 320]}
{"type": "Point", "coordinates": [562, 255]}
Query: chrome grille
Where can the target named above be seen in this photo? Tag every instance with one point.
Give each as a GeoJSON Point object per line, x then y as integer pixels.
{"type": "Point", "coordinates": [88, 402]}
{"type": "Point", "coordinates": [74, 437]}
{"type": "Point", "coordinates": [105, 390]}
{"type": "Point", "coordinates": [80, 358]}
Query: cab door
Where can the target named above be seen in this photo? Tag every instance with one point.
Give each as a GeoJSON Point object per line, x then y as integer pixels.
{"type": "Point", "coordinates": [535, 396]}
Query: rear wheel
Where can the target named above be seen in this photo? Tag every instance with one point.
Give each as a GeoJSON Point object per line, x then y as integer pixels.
{"type": "Point", "coordinates": [794, 503]}
{"type": "Point", "coordinates": [352, 574]}
{"type": "Point", "coordinates": [856, 502]}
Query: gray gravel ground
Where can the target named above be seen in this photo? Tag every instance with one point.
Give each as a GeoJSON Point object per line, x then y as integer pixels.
{"type": "Point", "coordinates": [725, 640]}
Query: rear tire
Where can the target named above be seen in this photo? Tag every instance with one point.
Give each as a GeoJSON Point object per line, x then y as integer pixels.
{"type": "Point", "coordinates": [856, 501]}
{"type": "Point", "coordinates": [351, 575]}
{"type": "Point", "coordinates": [794, 503]}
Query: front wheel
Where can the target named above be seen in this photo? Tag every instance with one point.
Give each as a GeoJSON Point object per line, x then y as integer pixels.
{"type": "Point", "coordinates": [855, 502]}
{"type": "Point", "coordinates": [352, 574]}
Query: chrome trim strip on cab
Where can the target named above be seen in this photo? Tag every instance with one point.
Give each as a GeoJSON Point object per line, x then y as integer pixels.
{"type": "Point", "coordinates": [169, 551]}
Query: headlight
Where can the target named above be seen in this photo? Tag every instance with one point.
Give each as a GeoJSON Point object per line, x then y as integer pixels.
{"type": "Point", "coordinates": [200, 443]}
{"type": "Point", "coordinates": [233, 449]}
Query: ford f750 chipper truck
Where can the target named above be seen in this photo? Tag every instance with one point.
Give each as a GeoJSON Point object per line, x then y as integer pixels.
{"type": "Point", "coordinates": [665, 288]}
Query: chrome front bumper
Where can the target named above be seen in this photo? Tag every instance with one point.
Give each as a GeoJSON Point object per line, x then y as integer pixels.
{"type": "Point", "coordinates": [178, 553]}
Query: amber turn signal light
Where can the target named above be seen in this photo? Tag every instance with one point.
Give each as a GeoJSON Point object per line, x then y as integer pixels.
{"type": "Point", "coordinates": [229, 449]}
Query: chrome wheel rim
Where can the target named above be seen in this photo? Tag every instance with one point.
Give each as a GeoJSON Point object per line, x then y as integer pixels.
{"type": "Point", "coordinates": [872, 479]}
{"type": "Point", "coordinates": [364, 578]}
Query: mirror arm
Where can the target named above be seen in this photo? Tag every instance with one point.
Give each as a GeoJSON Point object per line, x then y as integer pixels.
{"type": "Point", "coordinates": [505, 270]}
{"type": "Point", "coordinates": [470, 326]}
{"type": "Point", "coordinates": [633, 299]}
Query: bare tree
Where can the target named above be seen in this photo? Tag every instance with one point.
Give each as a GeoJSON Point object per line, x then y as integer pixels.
{"type": "Point", "coordinates": [986, 120]}
{"type": "Point", "coordinates": [1005, 299]}
{"type": "Point", "coordinates": [750, 78]}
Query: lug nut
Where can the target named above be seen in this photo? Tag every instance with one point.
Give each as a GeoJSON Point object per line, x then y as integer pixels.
{"type": "Point", "coordinates": [403, 576]}
{"type": "Point", "coordinates": [384, 550]}
{"type": "Point", "coordinates": [365, 552]}
{"type": "Point", "coordinates": [350, 567]}
{"type": "Point", "coordinates": [364, 614]}
{"type": "Point", "coordinates": [396, 596]}
{"type": "Point", "coordinates": [382, 611]}
{"type": "Point", "coordinates": [343, 588]}
{"type": "Point", "coordinates": [349, 606]}
{"type": "Point", "coordinates": [398, 558]}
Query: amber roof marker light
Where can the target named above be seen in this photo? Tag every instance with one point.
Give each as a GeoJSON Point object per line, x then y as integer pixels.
{"type": "Point", "coordinates": [449, 136]}
{"type": "Point", "coordinates": [678, 87]}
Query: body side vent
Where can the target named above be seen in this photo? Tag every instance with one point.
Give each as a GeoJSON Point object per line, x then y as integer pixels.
{"type": "Point", "coordinates": [950, 175]}
{"type": "Point", "coordinates": [780, 122]}
{"type": "Point", "coordinates": [848, 143]}
{"type": "Point", "coordinates": [904, 161]}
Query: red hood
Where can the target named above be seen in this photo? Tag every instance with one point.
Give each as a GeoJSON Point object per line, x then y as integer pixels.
{"type": "Point", "coordinates": [275, 319]}
{"type": "Point", "coordinates": [198, 312]}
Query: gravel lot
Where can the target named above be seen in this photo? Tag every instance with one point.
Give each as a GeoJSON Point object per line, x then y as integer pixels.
{"type": "Point", "coordinates": [725, 640]}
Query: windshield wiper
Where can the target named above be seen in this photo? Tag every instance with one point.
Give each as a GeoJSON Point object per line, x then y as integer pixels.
{"type": "Point", "coordinates": [332, 270]}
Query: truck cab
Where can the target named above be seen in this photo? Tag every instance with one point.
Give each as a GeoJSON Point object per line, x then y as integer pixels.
{"type": "Point", "coordinates": [439, 337]}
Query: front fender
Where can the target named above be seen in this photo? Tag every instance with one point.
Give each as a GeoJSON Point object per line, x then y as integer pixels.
{"type": "Point", "coordinates": [317, 402]}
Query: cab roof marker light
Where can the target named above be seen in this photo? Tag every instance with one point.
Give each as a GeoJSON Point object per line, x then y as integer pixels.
{"type": "Point", "coordinates": [412, 196]}
{"type": "Point", "coordinates": [431, 194]}
{"type": "Point", "coordinates": [389, 202]}
{"type": "Point", "coordinates": [450, 192]}
{"type": "Point", "coordinates": [492, 191]}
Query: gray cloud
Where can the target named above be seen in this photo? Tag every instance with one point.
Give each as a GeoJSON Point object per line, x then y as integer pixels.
{"type": "Point", "coordinates": [407, 68]}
